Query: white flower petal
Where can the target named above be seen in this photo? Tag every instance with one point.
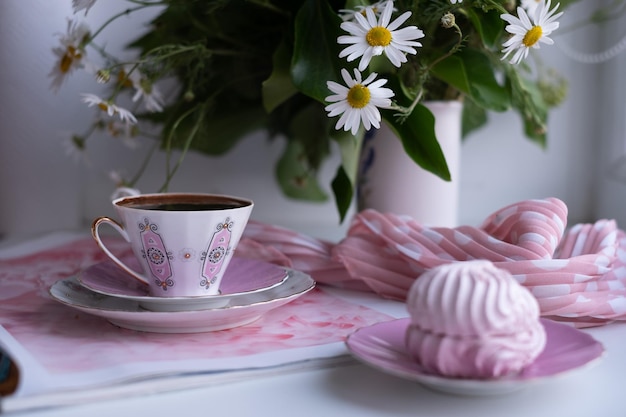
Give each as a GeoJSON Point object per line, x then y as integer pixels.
{"type": "Point", "coordinates": [399, 21]}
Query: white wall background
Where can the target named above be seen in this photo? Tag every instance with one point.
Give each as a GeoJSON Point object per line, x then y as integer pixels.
{"type": "Point", "coordinates": [41, 189]}
{"type": "Point", "coordinates": [610, 138]}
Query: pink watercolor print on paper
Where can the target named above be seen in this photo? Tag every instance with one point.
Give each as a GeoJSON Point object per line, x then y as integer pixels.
{"type": "Point", "coordinates": [66, 340]}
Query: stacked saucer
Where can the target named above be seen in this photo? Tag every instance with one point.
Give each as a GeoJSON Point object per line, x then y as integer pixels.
{"type": "Point", "coordinates": [249, 289]}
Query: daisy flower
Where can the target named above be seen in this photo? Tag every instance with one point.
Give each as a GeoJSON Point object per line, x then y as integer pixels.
{"type": "Point", "coordinates": [124, 131]}
{"type": "Point", "coordinates": [79, 5]}
{"type": "Point", "coordinates": [76, 149]}
{"type": "Point", "coordinates": [150, 95]}
{"type": "Point", "coordinates": [70, 54]}
{"type": "Point", "coordinates": [110, 108]}
{"type": "Point", "coordinates": [370, 37]}
{"type": "Point", "coordinates": [130, 76]}
{"type": "Point", "coordinates": [529, 32]}
{"type": "Point", "coordinates": [358, 101]}
{"type": "Point", "coordinates": [456, 1]}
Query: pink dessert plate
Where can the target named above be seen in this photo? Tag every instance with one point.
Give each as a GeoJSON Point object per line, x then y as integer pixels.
{"type": "Point", "coordinates": [382, 347]}
{"type": "Point", "coordinates": [242, 278]}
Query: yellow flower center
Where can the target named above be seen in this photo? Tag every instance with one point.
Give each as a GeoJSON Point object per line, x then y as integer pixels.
{"type": "Point", "coordinates": [71, 54]}
{"type": "Point", "coordinates": [532, 36]}
{"type": "Point", "coordinates": [378, 36]}
{"type": "Point", "coordinates": [359, 96]}
{"type": "Point", "coordinates": [123, 80]}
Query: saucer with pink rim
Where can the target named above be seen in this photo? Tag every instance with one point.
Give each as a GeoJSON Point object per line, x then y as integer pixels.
{"type": "Point", "coordinates": [242, 278]}
{"type": "Point", "coordinates": [382, 346]}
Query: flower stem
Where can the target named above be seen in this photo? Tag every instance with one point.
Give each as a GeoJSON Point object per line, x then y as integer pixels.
{"type": "Point", "coordinates": [404, 112]}
{"type": "Point", "coordinates": [455, 48]}
{"type": "Point", "coordinates": [144, 165]}
{"type": "Point", "coordinates": [171, 171]}
{"type": "Point", "coordinates": [142, 5]}
{"type": "Point", "coordinates": [268, 5]}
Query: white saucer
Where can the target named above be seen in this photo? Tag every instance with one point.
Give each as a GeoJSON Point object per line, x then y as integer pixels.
{"type": "Point", "coordinates": [243, 277]}
{"type": "Point", "coordinates": [382, 347]}
{"type": "Point", "coordinates": [240, 310]}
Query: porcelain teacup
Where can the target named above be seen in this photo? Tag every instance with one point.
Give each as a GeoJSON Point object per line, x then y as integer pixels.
{"type": "Point", "coordinates": [183, 241]}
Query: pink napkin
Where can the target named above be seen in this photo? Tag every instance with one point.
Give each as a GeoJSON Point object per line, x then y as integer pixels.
{"type": "Point", "coordinates": [578, 275]}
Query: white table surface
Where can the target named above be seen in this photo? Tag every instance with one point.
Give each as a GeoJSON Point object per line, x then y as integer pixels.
{"type": "Point", "coordinates": [355, 389]}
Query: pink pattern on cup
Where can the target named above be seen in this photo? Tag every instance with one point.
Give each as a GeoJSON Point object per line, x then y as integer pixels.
{"type": "Point", "coordinates": [156, 254]}
{"type": "Point", "coordinates": [216, 252]}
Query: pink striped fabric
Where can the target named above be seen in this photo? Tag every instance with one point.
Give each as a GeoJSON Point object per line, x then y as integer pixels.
{"type": "Point", "coordinates": [578, 275]}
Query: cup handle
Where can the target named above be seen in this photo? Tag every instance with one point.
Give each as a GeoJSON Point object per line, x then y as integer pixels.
{"type": "Point", "coordinates": [95, 232]}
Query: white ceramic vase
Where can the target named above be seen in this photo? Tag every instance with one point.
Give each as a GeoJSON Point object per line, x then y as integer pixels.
{"type": "Point", "coordinates": [389, 181]}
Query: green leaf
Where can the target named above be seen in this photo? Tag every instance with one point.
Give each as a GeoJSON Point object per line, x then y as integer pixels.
{"type": "Point", "coordinates": [343, 189]}
{"type": "Point", "coordinates": [535, 132]}
{"type": "Point", "coordinates": [534, 113]}
{"type": "Point", "coordinates": [350, 148]}
{"type": "Point", "coordinates": [345, 180]}
{"type": "Point", "coordinates": [529, 103]}
{"type": "Point", "coordinates": [566, 3]}
{"type": "Point", "coordinates": [474, 117]}
{"type": "Point", "coordinates": [489, 25]}
{"type": "Point", "coordinates": [216, 135]}
{"type": "Point", "coordinates": [294, 179]}
{"type": "Point", "coordinates": [307, 146]}
{"type": "Point", "coordinates": [278, 87]}
{"type": "Point", "coordinates": [309, 126]}
{"type": "Point", "coordinates": [471, 73]}
{"type": "Point", "coordinates": [452, 71]}
{"type": "Point", "coordinates": [417, 133]}
{"type": "Point", "coordinates": [316, 51]}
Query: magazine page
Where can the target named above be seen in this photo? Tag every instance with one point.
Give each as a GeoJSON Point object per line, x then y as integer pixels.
{"type": "Point", "coordinates": [65, 355]}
